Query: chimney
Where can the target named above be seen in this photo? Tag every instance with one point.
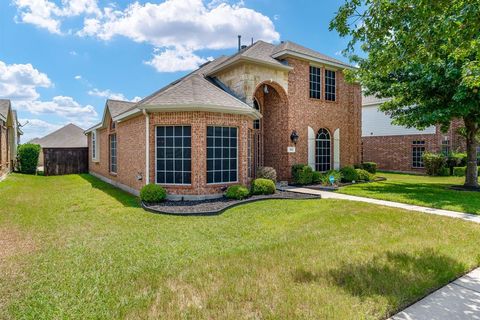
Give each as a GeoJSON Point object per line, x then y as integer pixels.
{"type": "Point", "coordinates": [239, 42]}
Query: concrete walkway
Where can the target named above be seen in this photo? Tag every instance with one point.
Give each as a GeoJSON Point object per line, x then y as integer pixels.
{"type": "Point", "coordinates": [458, 300]}
{"type": "Point", "coordinates": [334, 195]}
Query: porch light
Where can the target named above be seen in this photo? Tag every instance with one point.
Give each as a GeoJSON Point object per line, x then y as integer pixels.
{"type": "Point", "coordinates": [294, 137]}
{"type": "Point", "coordinates": [265, 89]}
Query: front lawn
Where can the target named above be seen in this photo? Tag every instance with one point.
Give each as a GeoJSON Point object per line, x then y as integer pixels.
{"type": "Point", "coordinates": [74, 247]}
{"type": "Point", "coordinates": [419, 190]}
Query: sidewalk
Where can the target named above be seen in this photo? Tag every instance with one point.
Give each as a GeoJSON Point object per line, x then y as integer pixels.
{"type": "Point", "coordinates": [334, 195]}
{"type": "Point", "coordinates": [459, 299]}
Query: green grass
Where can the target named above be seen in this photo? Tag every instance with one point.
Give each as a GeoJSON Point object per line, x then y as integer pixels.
{"type": "Point", "coordinates": [419, 190]}
{"type": "Point", "coordinates": [74, 247]}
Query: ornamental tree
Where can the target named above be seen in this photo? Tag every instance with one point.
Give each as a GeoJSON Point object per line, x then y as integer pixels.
{"type": "Point", "coordinates": [425, 55]}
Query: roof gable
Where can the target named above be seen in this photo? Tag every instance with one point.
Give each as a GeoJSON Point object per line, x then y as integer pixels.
{"type": "Point", "coordinates": [69, 136]}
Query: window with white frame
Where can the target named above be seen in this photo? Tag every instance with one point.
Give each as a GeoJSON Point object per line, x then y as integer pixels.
{"type": "Point", "coordinates": [174, 154]}
{"type": "Point", "coordinates": [330, 85]}
{"type": "Point", "coordinates": [315, 82]}
{"type": "Point", "coordinates": [323, 155]}
{"type": "Point", "coordinates": [418, 149]}
{"type": "Point", "coordinates": [256, 106]}
{"type": "Point", "coordinates": [94, 145]}
{"type": "Point", "coordinates": [222, 153]}
{"type": "Point", "coordinates": [113, 153]}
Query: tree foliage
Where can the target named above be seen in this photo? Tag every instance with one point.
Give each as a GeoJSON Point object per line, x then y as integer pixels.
{"type": "Point", "coordinates": [424, 54]}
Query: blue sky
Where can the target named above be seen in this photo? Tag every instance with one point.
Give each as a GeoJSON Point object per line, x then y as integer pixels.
{"type": "Point", "coordinates": [60, 60]}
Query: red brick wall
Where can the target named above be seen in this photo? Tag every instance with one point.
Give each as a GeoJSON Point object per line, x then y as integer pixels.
{"type": "Point", "coordinates": [344, 113]}
{"type": "Point", "coordinates": [130, 152]}
{"type": "Point", "coordinates": [395, 152]}
{"type": "Point", "coordinates": [199, 122]}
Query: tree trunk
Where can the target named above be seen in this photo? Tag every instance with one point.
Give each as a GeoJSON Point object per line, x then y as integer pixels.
{"type": "Point", "coordinates": [471, 176]}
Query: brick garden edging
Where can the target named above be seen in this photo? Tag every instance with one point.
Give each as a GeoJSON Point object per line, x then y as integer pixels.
{"type": "Point", "coordinates": [227, 204]}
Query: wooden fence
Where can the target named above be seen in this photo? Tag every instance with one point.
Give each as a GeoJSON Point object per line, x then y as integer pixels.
{"type": "Point", "coordinates": [58, 161]}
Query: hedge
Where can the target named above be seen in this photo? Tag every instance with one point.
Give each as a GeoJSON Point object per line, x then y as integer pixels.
{"type": "Point", "coordinates": [237, 192]}
{"type": "Point", "coordinates": [461, 171]}
{"type": "Point", "coordinates": [28, 157]}
{"type": "Point", "coordinates": [263, 186]}
{"type": "Point", "coordinates": [434, 163]}
{"type": "Point", "coordinates": [302, 174]}
{"type": "Point", "coordinates": [153, 193]}
{"type": "Point", "coordinates": [349, 174]}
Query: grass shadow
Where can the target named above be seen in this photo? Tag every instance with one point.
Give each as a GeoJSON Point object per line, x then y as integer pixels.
{"type": "Point", "coordinates": [125, 198]}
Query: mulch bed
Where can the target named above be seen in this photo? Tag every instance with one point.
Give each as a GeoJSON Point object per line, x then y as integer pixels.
{"type": "Point", "coordinates": [216, 206]}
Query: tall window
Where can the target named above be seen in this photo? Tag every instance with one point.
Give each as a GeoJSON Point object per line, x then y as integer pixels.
{"type": "Point", "coordinates": [250, 153]}
{"type": "Point", "coordinates": [315, 83]}
{"type": "Point", "coordinates": [446, 146]}
{"type": "Point", "coordinates": [222, 149]}
{"type": "Point", "coordinates": [113, 153]}
{"type": "Point", "coordinates": [330, 85]}
{"type": "Point", "coordinates": [174, 154]}
{"type": "Point", "coordinates": [323, 151]}
{"type": "Point", "coordinates": [418, 148]}
{"type": "Point", "coordinates": [256, 106]}
{"type": "Point", "coordinates": [94, 145]}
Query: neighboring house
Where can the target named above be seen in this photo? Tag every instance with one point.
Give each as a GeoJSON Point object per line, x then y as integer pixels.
{"type": "Point", "coordinates": [10, 133]}
{"type": "Point", "coordinates": [67, 137]}
{"type": "Point", "coordinates": [215, 126]}
{"type": "Point", "coordinates": [397, 148]}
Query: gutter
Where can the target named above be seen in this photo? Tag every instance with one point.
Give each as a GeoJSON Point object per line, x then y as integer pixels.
{"type": "Point", "coordinates": [147, 146]}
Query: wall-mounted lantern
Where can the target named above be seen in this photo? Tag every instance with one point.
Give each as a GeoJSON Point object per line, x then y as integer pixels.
{"type": "Point", "coordinates": [265, 89]}
{"type": "Point", "coordinates": [294, 137]}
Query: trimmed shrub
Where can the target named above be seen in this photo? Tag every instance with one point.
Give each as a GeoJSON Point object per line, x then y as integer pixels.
{"type": "Point", "coordinates": [444, 172]}
{"type": "Point", "coordinates": [349, 174]}
{"type": "Point", "coordinates": [28, 157]}
{"type": "Point", "coordinates": [369, 166]}
{"type": "Point", "coordinates": [237, 192]}
{"type": "Point", "coordinates": [302, 174]}
{"type": "Point", "coordinates": [316, 177]}
{"type": "Point", "coordinates": [267, 173]}
{"type": "Point", "coordinates": [364, 175]}
{"type": "Point", "coordinates": [434, 163]}
{"type": "Point", "coordinates": [459, 171]}
{"type": "Point", "coordinates": [325, 178]}
{"type": "Point", "coordinates": [153, 193]}
{"type": "Point", "coordinates": [263, 186]}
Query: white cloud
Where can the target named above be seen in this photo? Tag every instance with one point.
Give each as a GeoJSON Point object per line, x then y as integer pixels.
{"type": "Point", "coordinates": [36, 128]}
{"type": "Point", "coordinates": [20, 81]}
{"type": "Point", "coordinates": [48, 15]}
{"type": "Point", "coordinates": [73, 53]}
{"type": "Point", "coordinates": [108, 94]}
{"type": "Point", "coordinates": [172, 60]}
{"type": "Point", "coordinates": [276, 17]}
{"type": "Point", "coordinates": [78, 77]}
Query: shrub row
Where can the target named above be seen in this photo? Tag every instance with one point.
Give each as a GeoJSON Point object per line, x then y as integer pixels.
{"type": "Point", "coordinates": [28, 157]}
{"type": "Point", "coordinates": [303, 174]}
{"type": "Point", "coordinates": [461, 171]}
{"type": "Point", "coordinates": [371, 167]}
{"type": "Point", "coordinates": [438, 164]}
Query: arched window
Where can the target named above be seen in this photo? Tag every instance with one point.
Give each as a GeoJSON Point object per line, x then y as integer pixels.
{"type": "Point", "coordinates": [256, 106]}
{"type": "Point", "coordinates": [323, 151]}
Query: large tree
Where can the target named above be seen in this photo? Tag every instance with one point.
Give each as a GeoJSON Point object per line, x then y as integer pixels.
{"type": "Point", "coordinates": [425, 55]}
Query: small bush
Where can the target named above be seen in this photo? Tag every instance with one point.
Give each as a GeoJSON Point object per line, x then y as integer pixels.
{"type": "Point", "coordinates": [302, 174]}
{"type": "Point", "coordinates": [267, 173]}
{"type": "Point", "coordinates": [28, 157]}
{"type": "Point", "coordinates": [325, 178]}
{"type": "Point", "coordinates": [444, 172]}
{"type": "Point", "coordinates": [364, 175]}
{"type": "Point", "coordinates": [459, 171]}
{"type": "Point", "coordinates": [263, 186]}
{"type": "Point", "coordinates": [153, 193]}
{"type": "Point", "coordinates": [369, 166]}
{"type": "Point", "coordinates": [349, 174]}
{"type": "Point", "coordinates": [237, 192]}
{"type": "Point", "coordinates": [434, 163]}
{"type": "Point", "coordinates": [316, 177]}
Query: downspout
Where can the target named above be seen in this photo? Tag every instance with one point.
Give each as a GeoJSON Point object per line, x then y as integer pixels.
{"type": "Point", "coordinates": [147, 147]}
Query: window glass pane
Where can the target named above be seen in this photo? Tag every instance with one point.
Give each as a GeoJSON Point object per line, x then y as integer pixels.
{"type": "Point", "coordinates": [113, 153]}
{"type": "Point", "coordinates": [221, 154]}
{"type": "Point", "coordinates": [174, 154]}
{"type": "Point", "coordinates": [315, 83]}
{"type": "Point", "coordinates": [330, 85]}
{"type": "Point", "coordinates": [322, 154]}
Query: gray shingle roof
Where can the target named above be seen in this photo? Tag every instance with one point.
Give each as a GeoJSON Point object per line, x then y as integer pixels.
{"type": "Point", "coordinates": [295, 47]}
{"type": "Point", "coordinates": [69, 136]}
{"type": "Point", "coordinates": [193, 90]}
{"type": "Point", "coordinates": [4, 106]}
{"type": "Point", "coordinates": [116, 107]}
{"type": "Point", "coordinates": [371, 100]}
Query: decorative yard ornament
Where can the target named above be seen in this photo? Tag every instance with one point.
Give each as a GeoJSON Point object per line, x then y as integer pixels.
{"type": "Point", "coordinates": [332, 180]}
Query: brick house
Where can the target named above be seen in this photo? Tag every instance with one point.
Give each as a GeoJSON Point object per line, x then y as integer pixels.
{"type": "Point", "coordinates": [10, 133]}
{"type": "Point", "coordinates": [397, 148]}
{"type": "Point", "coordinates": [266, 105]}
